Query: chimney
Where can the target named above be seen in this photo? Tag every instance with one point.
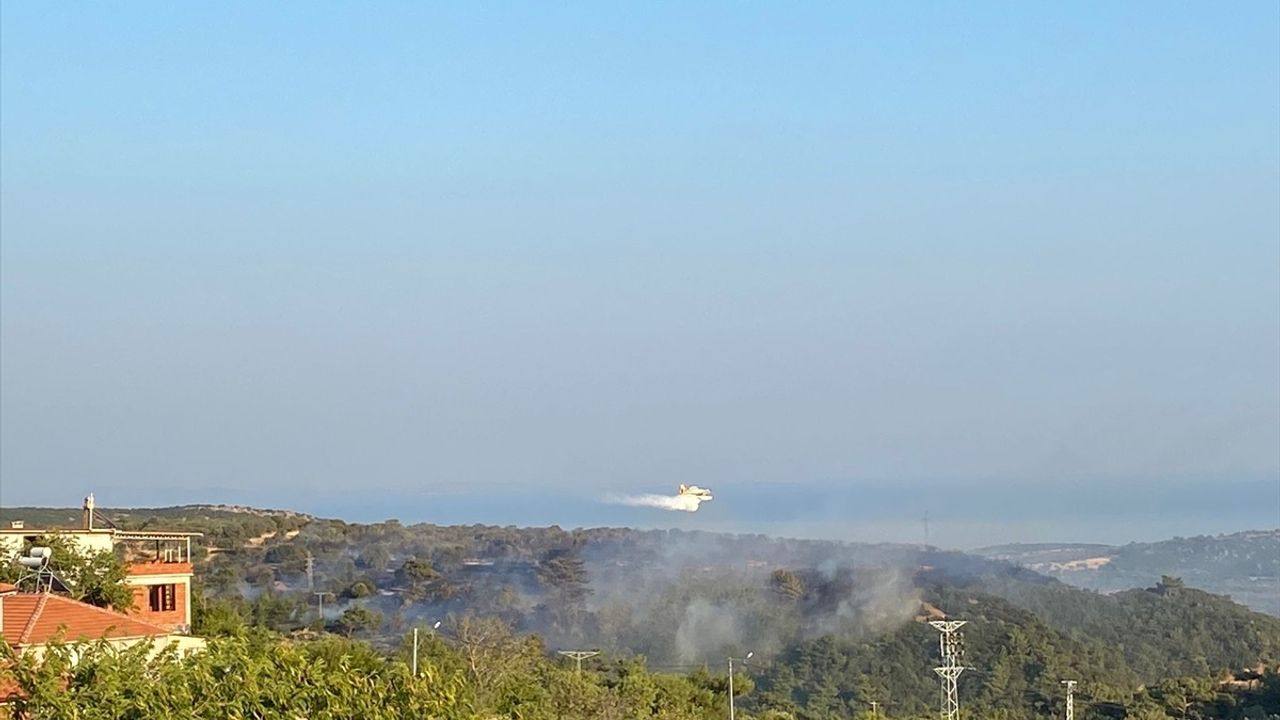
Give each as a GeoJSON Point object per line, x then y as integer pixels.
{"type": "Point", "coordinates": [88, 512]}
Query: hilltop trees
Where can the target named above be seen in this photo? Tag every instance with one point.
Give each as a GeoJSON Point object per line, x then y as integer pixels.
{"type": "Point", "coordinates": [420, 581]}
{"type": "Point", "coordinates": [375, 557]}
{"type": "Point", "coordinates": [1169, 584]}
{"type": "Point", "coordinates": [357, 619]}
{"type": "Point", "coordinates": [563, 578]}
{"type": "Point", "coordinates": [788, 585]}
{"type": "Point", "coordinates": [562, 572]}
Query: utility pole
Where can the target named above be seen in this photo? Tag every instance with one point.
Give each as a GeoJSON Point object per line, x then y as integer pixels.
{"type": "Point", "coordinates": [1071, 700]}
{"type": "Point", "coordinates": [731, 659]}
{"type": "Point", "coordinates": [434, 627]}
{"type": "Point", "coordinates": [578, 656]}
{"type": "Point", "coordinates": [951, 645]}
{"type": "Point", "coordinates": [875, 710]}
{"type": "Point", "coordinates": [320, 604]}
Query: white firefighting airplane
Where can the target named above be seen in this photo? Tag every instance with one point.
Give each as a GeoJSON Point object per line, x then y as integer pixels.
{"type": "Point", "coordinates": [695, 491]}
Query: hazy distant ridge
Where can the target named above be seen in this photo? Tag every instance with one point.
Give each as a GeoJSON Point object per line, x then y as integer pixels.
{"type": "Point", "coordinates": [1244, 565]}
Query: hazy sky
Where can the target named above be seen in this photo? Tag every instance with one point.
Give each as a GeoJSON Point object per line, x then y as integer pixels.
{"type": "Point", "coordinates": [313, 254]}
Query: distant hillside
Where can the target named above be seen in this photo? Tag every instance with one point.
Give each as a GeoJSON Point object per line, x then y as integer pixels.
{"type": "Point", "coordinates": [70, 517]}
{"type": "Point", "coordinates": [1245, 565]}
{"type": "Point", "coordinates": [1017, 655]}
{"type": "Point", "coordinates": [833, 625]}
{"type": "Point", "coordinates": [1046, 555]}
{"type": "Point", "coordinates": [224, 526]}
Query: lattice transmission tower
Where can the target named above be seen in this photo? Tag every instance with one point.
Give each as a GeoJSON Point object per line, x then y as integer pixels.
{"type": "Point", "coordinates": [951, 646]}
{"type": "Point", "coordinates": [1071, 699]}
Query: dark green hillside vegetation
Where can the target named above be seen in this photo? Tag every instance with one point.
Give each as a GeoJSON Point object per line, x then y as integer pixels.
{"type": "Point", "coordinates": [1245, 565]}
{"type": "Point", "coordinates": [480, 670]}
{"type": "Point", "coordinates": [1168, 629]}
{"type": "Point", "coordinates": [1017, 663]}
{"type": "Point", "coordinates": [833, 626]}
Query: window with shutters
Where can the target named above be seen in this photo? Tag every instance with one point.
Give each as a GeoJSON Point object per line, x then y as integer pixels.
{"type": "Point", "coordinates": [164, 597]}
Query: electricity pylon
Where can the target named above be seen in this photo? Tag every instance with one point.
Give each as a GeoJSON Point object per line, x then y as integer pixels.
{"type": "Point", "coordinates": [951, 645]}
{"type": "Point", "coordinates": [1071, 701]}
{"type": "Point", "coordinates": [579, 655]}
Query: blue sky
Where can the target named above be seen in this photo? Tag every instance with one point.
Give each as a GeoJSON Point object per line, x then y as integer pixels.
{"type": "Point", "coordinates": [312, 253]}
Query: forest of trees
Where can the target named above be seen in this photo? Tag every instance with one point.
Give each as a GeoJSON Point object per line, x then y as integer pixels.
{"type": "Point", "coordinates": [481, 670]}
{"type": "Point", "coordinates": [1244, 565]}
{"type": "Point", "coordinates": [487, 673]}
{"type": "Point", "coordinates": [834, 627]}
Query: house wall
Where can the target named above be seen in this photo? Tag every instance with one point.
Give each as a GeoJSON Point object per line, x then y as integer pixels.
{"type": "Point", "coordinates": [183, 643]}
{"type": "Point", "coordinates": [178, 619]}
{"type": "Point", "coordinates": [11, 541]}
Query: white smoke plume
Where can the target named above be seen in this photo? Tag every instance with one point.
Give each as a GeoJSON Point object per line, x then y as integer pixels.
{"type": "Point", "coordinates": [706, 631]}
{"type": "Point", "coordinates": [678, 503]}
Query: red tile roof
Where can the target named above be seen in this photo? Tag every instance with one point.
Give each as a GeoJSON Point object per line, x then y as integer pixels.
{"type": "Point", "coordinates": [6, 588]}
{"type": "Point", "coordinates": [31, 619]}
